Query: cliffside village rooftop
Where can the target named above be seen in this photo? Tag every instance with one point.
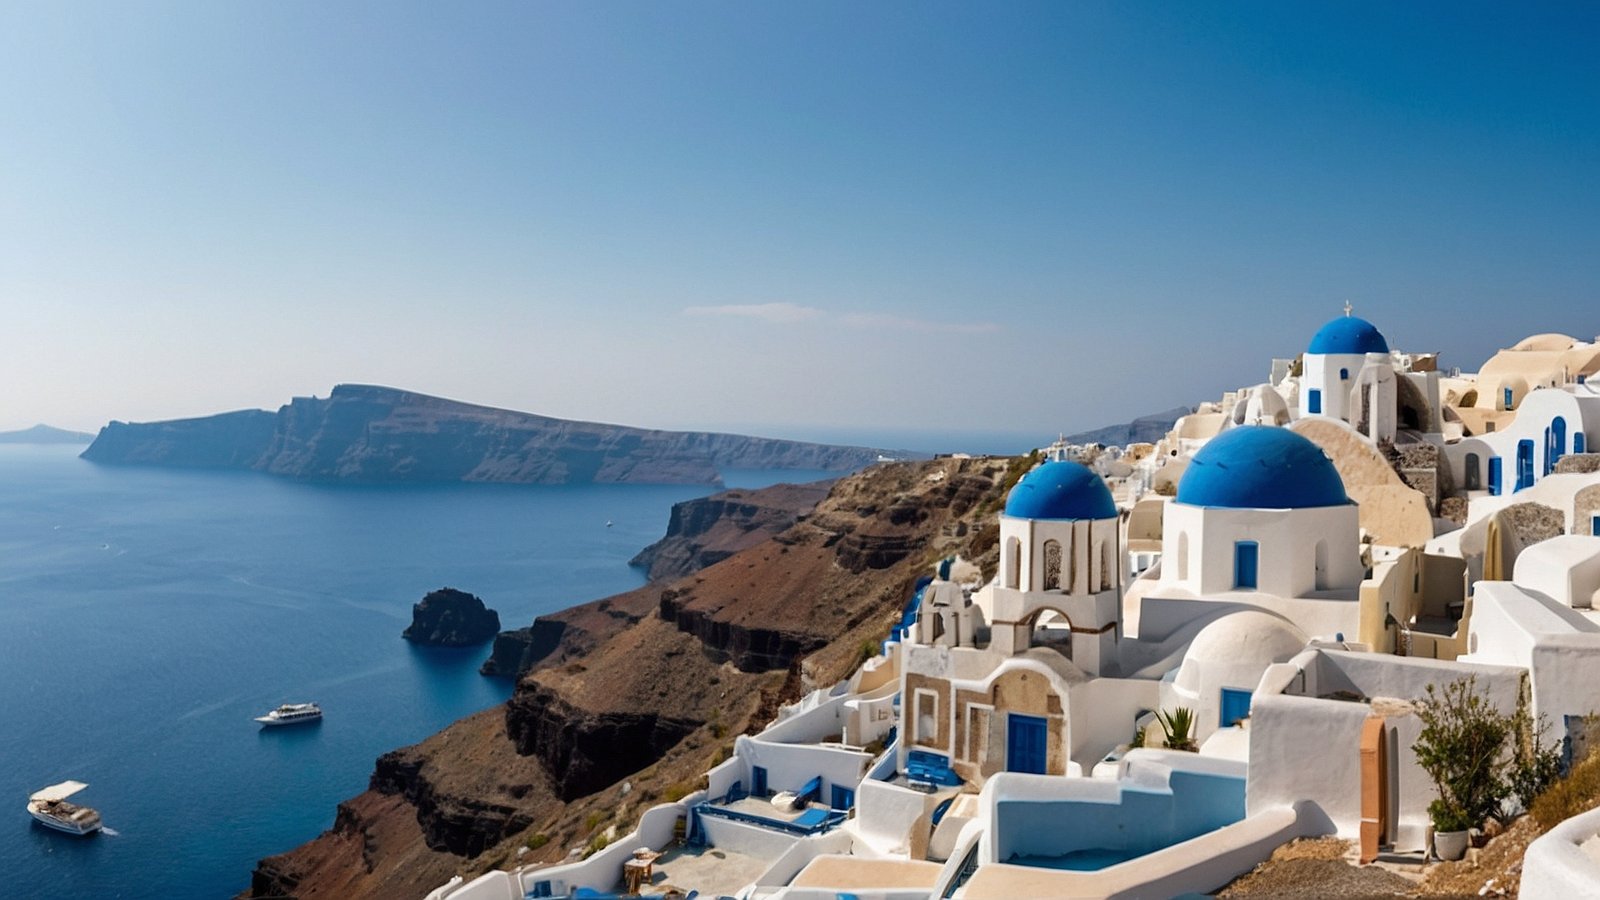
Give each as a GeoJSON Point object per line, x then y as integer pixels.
{"type": "Point", "coordinates": [1292, 566]}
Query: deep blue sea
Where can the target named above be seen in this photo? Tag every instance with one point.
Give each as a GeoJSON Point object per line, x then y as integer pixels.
{"type": "Point", "coordinates": [146, 615]}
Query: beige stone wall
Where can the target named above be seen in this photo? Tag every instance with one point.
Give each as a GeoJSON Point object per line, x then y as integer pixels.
{"type": "Point", "coordinates": [1394, 515]}
{"type": "Point", "coordinates": [1022, 691]}
{"type": "Point", "coordinates": [912, 711]}
{"type": "Point", "coordinates": [1411, 585]}
{"type": "Point", "coordinates": [1391, 512]}
{"type": "Point", "coordinates": [1585, 506]}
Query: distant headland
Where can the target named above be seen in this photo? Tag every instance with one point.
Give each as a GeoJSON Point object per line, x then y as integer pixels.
{"type": "Point", "coordinates": [44, 434]}
{"type": "Point", "coordinates": [378, 435]}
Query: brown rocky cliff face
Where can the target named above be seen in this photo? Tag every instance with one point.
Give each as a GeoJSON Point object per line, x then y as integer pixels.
{"type": "Point", "coordinates": [707, 530]}
{"type": "Point", "coordinates": [647, 686]}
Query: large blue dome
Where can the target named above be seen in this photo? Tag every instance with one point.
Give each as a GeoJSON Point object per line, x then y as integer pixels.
{"type": "Point", "coordinates": [1061, 490]}
{"type": "Point", "coordinates": [1261, 467]}
{"type": "Point", "coordinates": [1348, 334]}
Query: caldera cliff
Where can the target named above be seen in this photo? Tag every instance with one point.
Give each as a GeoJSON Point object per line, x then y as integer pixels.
{"type": "Point", "coordinates": [365, 433]}
{"type": "Point", "coordinates": [627, 700]}
{"type": "Point", "coordinates": [708, 530]}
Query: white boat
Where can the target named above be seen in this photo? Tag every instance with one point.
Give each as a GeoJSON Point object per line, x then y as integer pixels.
{"type": "Point", "coordinates": [49, 807]}
{"type": "Point", "coordinates": [292, 714]}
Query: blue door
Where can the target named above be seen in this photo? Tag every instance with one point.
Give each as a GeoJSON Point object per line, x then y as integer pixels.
{"type": "Point", "coordinates": [1524, 464]}
{"type": "Point", "coordinates": [1508, 398]}
{"type": "Point", "coordinates": [843, 798]}
{"type": "Point", "coordinates": [1496, 487]}
{"type": "Point", "coordinates": [1245, 556]}
{"type": "Point", "coordinates": [758, 781]}
{"type": "Point", "coordinates": [1025, 744]}
{"type": "Point", "coordinates": [1577, 442]}
{"type": "Point", "coordinates": [1558, 434]}
{"type": "Point", "coordinates": [1235, 706]}
{"type": "Point", "coordinates": [1594, 526]}
{"type": "Point", "coordinates": [1314, 401]}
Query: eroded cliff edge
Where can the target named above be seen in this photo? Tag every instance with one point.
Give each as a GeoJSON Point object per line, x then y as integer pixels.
{"type": "Point", "coordinates": [366, 433]}
{"type": "Point", "coordinates": [646, 689]}
{"type": "Point", "coordinates": [708, 530]}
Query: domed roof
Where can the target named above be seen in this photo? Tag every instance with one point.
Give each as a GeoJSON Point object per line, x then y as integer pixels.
{"type": "Point", "coordinates": [1061, 490]}
{"type": "Point", "coordinates": [1348, 334]}
{"type": "Point", "coordinates": [1261, 467]}
{"type": "Point", "coordinates": [1249, 638]}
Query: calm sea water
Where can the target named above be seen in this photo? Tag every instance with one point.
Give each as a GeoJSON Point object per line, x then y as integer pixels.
{"type": "Point", "coordinates": [146, 615]}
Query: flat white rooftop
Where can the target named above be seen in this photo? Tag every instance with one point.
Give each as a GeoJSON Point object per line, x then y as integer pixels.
{"type": "Point", "coordinates": [709, 870]}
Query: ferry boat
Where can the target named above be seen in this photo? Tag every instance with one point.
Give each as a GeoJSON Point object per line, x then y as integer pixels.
{"type": "Point", "coordinates": [49, 807]}
{"type": "Point", "coordinates": [292, 714]}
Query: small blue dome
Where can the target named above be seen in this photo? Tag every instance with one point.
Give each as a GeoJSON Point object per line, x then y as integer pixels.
{"type": "Point", "coordinates": [1061, 490]}
{"type": "Point", "coordinates": [1348, 334]}
{"type": "Point", "coordinates": [1261, 467]}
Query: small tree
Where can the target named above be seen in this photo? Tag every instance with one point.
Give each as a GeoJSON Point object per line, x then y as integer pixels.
{"type": "Point", "coordinates": [1462, 741]}
{"type": "Point", "coordinates": [1178, 726]}
{"type": "Point", "coordinates": [1534, 766]}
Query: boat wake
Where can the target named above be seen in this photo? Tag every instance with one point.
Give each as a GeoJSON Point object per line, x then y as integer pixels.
{"type": "Point", "coordinates": [112, 832]}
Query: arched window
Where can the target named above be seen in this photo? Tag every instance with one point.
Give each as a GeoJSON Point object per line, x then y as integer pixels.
{"type": "Point", "coordinates": [1321, 563]}
{"type": "Point", "coordinates": [1070, 568]}
{"type": "Point", "coordinates": [1052, 565]}
{"type": "Point", "coordinates": [1344, 374]}
{"type": "Point", "coordinates": [1013, 562]}
{"type": "Point", "coordinates": [1473, 477]}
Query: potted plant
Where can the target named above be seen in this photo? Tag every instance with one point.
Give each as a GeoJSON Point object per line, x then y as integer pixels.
{"type": "Point", "coordinates": [1451, 829]}
{"type": "Point", "coordinates": [1460, 747]}
{"type": "Point", "coordinates": [1178, 726]}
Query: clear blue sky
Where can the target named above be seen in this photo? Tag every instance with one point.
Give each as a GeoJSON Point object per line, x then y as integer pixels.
{"type": "Point", "coordinates": [857, 215]}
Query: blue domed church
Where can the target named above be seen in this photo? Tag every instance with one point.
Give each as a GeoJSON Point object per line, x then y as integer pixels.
{"type": "Point", "coordinates": [1262, 511]}
{"type": "Point", "coordinates": [1060, 566]}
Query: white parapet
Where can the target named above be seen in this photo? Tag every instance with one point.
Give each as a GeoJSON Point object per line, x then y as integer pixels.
{"type": "Point", "coordinates": [1564, 861]}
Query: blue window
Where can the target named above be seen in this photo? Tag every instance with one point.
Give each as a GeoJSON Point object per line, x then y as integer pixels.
{"type": "Point", "coordinates": [1025, 744]}
{"type": "Point", "coordinates": [1235, 706]}
{"type": "Point", "coordinates": [1594, 526]}
{"type": "Point", "coordinates": [843, 798]}
{"type": "Point", "coordinates": [1577, 442]}
{"type": "Point", "coordinates": [1246, 554]}
{"type": "Point", "coordinates": [1344, 374]}
{"type": "Point", "coordinates": [1496, 487]}
{"type": "Point", "coordinates": [1558, 438]}
{"type": "Point", "coordinates": [758, 781]}
{"type": "Point", "coordinates": [1314, 401]}
{"type": "Point", "coordinates": [1508, 398]}
{"type": "Point", "coordinates": [1524, 464]}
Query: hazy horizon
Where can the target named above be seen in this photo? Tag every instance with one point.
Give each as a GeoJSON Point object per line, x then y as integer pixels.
{"type": "Point", "coordinates": [1024, 219]}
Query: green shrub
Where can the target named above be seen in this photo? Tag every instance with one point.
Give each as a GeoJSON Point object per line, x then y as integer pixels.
{"type": "Point", "coordinates": [1461, 746]}
{"type": "Point", "coordinates": [1534, 767]}
{"type": "Point", "coordinates": [593, 819]}
{"type": "Point", "coordinates": [867, 650]}
{"type": "Point", "coordinates": [596, 844]}
{"type": "Point", "coordinates": [678, 791]}
{"type": "Point", "coordinates": [537, 841]}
